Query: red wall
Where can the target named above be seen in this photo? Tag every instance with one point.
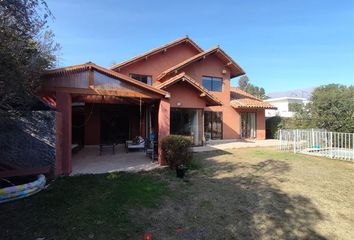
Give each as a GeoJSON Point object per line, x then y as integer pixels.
{"type": "Point", "coordinates": [261, 133]}
{"type": "Point", "coordinates": [187, 96]}
{"type": "Point", "coordinates": [211, 65]}
{"type": "Point", "coordinates": [159, 62]}
{"type": "Point", "coordinates": [93, 124]}
{"type": "Point", "coordinates": [63, 142]}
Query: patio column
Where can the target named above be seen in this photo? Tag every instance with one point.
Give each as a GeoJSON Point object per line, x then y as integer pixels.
{"type": "Point", "coordinates": [63, 135]}
{"type": "Point", "coordinates": [261, 124]}
{"type": "Point", "coordinates": [163, 126]}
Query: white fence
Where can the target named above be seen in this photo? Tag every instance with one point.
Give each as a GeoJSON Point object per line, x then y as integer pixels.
{"type": "Point", "coordinates": [318, 142]}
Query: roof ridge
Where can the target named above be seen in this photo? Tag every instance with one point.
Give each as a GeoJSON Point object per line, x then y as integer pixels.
{"type": "Point", "coordinates": [204, 53]}
{"type": "Point", "coordinates": [164, 73]}
{"type": "Point", "coordinates": [155, 50]}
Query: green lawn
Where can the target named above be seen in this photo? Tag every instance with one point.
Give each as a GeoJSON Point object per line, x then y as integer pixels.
{"type": "Point", "coordinates": [82, 207]}
{"type": "Point", "coordinates": [253, 193]}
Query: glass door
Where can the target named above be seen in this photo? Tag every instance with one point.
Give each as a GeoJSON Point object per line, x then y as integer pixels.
{"type": "Point", "coordinates": [248, 125]}
{"type": "Point", "coordinates": [187, 122]}
{"type": "Point", "coordinates": [213, 125]}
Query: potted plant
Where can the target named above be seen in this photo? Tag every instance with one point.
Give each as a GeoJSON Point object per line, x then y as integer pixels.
{"type": "Point", "coordinates": [180, 171]}
{"type": "Point", "coordinates": [176, 151]}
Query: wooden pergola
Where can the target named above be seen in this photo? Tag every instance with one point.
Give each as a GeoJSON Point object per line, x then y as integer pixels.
{"type": "Point", "coordinates": [91, 83]}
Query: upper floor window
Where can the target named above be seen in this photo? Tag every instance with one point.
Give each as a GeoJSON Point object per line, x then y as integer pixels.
{"type": "Point", "coordinates": [142, 78]}
{"type": "Point", "coordinates": [212, 83]}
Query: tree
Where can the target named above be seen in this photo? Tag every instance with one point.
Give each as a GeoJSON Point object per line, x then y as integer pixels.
{"type": "Point", "coordinates": [26, 49]}
{"type": "Point", "coordinates": [244, 85]}
{"type": "Point", "coordinates": [331, 108]}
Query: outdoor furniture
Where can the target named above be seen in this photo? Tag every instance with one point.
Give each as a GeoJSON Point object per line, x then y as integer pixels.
{"type": "Point", "coordinates": [75, 147]}
{"type": "Point", "coordinates": [151, 149]}
{"type": "Point", "coordinates": [108, 145]}
{"type": "Point", "coordinates": [137, 143]}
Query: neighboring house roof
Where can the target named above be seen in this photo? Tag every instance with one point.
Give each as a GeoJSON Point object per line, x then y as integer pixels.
{"type": "Point", "coordinates": [184, 77]}
{"type": "Point", "coordinates": [90, 65]}
{"type": "Point", "coordinates": [236, 70]}
{"type": "Point", "coordinates": [242, 99]}
{"type": "Point", "coordinates": [185, 39]}
{"type": "Point", "coordinates": [285, 98]}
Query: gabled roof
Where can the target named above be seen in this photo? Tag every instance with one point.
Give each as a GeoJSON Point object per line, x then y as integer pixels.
{"type": "Point", "coordinates": [184, 77]}
{"type": "Point", "coordinates": [236, 70]}
{"type": "Point", "coordinates": [90, 65]}
{"type": "Point", "coordinates": [238, 93]}
{"type": "Point", "coordinates": [242, 100]}
{"type": "Point", "coordinates": [185, 39]}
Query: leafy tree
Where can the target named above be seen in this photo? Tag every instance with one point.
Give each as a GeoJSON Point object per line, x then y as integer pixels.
{"type": "Point", "coordinates": [246, 86]}
{"type": "Point", "coordinates": [26, 49]}
{"type": "Point", "coordinates": [331, 108]}
{"type": "Point", "coordinates": [295, 107]}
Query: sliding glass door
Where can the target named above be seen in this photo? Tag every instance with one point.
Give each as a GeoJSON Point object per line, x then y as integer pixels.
{"type": "Point", "coordinates": [187, 122]}
{"type": "Point", "coordinates": [248, 125]}
{"type": "Point", "coordinates": [213, 125]}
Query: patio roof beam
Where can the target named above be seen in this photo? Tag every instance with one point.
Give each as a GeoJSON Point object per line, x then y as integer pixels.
{"type": "Point", "coordinates": [102, 92]}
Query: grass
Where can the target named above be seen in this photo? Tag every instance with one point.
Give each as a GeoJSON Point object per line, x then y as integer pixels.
{"type": "Point", "coordinates": [253, 193]}
{"type": "Point", "coordinates": [82, 207]}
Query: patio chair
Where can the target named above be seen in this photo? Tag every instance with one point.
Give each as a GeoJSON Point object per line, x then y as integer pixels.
{"type": "Point", "coordinates": [151, 149]}
{"type": "Point", "coordinates": [136, 143]}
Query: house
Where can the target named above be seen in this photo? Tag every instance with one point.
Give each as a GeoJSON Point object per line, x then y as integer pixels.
{"type": "Point", "coordinates": [177, 88]}
{"type": "Point", "coordinates": [283, 105]}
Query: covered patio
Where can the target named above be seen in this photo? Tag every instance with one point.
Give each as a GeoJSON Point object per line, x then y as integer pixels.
{"type": "Point", "coordinates": [98, 107]}
{"type": "Point", "coordinates": [89, 161]}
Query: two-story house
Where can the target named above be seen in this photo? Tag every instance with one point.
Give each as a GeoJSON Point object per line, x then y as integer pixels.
{"type": "Point", "coordinates": [177, 88]}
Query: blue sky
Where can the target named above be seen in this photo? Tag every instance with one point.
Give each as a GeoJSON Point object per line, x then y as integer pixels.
{"type": "Point", "coordinates": [281, 44]}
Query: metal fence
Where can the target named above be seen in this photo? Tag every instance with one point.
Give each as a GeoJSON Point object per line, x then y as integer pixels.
{"type": "Point", "coordinates": [318, 142]}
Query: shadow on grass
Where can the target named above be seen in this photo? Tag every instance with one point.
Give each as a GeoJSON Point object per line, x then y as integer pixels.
{"type": "Point", "coordinates": [235, 200]}
{"type": "Point", "coordinates": [219, 200]}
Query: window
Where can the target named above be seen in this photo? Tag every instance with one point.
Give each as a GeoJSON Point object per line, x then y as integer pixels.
{"type": "Point", "coordinates": [212, 83]}
{"type": "Point", "coordinates": [142, 78]}
{"type": "Point", "coordinates": [212, 125]}
{"type": "Point", "coordinates": [248, 125]}
{"type": "Point", "coordinates": [187, 122]}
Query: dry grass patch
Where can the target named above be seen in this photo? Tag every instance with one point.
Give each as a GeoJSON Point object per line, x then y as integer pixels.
{"type": "Point", "coordinates": [253, 193]}
{"type": "Point", "coordinates": [257, 193]}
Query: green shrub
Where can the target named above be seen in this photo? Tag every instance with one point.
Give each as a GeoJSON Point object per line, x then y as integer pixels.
{"type": "Point", "coordinates": [273, 124]}
{"type": "Point", "coordinates": [176, 150]}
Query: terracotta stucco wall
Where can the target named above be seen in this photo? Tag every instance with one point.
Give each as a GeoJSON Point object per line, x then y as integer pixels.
{"type": "Point", "coordinates": [159, 62]}
{"type": "Point", "coordinates": [93, 124]}
{"type": "Point", "coordinates": [261, 134]}
{"type": "Point", "coordinates": [163, 126]}
{"type": "Point", "coordinates": [63, 103]}
{"type": "Point", "coordinates": [93, 121]}
{"type": "Point", "coordinates": [213, 66]}
{"type": "Point", "coordinates": [183, 95]}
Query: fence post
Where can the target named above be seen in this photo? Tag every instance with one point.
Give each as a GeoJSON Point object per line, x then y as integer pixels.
{"type": "Point", "coordinates": [313, 138]}
{"type": "Point", "coordinates": [294, 140]}
{"type": "Point", "coordinates": [280, 140]}
{"type": "Point", "coordinates": [331, 146]}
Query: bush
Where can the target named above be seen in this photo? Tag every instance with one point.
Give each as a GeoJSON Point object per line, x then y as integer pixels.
{"type": "Point", "coordinates": [272, 127]}
{"type": "Point", "coordinates": [176, 150]}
